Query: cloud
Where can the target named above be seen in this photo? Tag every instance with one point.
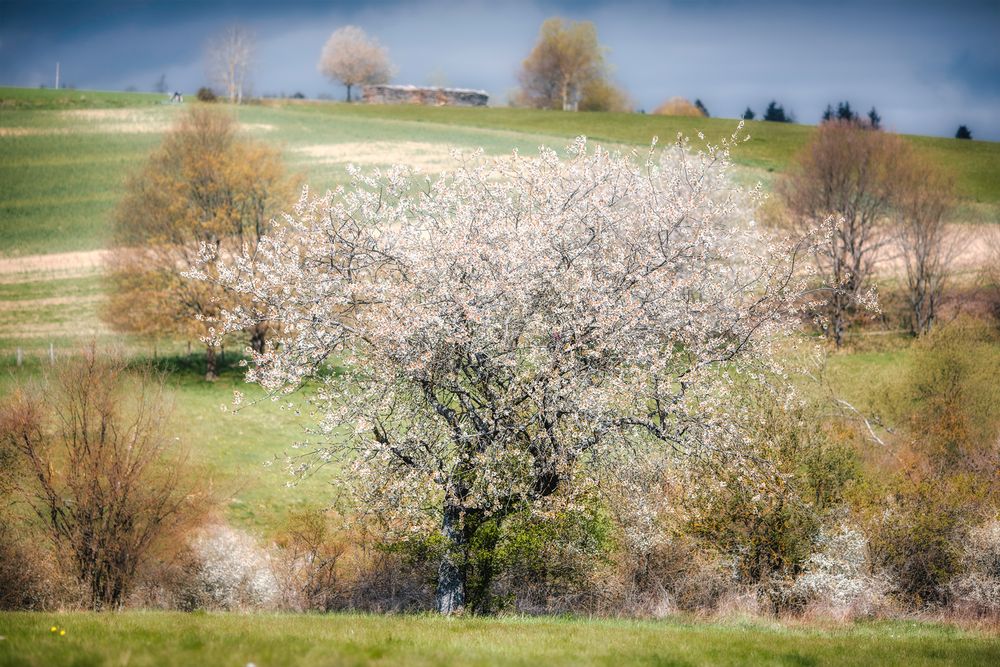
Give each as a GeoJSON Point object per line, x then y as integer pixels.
{"type": "Point", "coordinates": [927, 66]}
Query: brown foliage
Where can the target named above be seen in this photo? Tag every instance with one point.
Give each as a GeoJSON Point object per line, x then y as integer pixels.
{"type": "Point", "coordinates": [100, 472]}
{"type": "Point", "coordinates": [678, 106]}
{"type": "Point", "coordinates": [205, 185]}
{"type": "Point", "coordinates": [851, 174]}
{"type": "Point", "coordinates": [602, 95]}
{"type": "Point", "coordinates": [924, 196]}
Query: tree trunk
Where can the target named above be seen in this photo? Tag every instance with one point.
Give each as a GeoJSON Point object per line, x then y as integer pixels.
{"type": "Point", "coordinates": [348, 92]}
{"type": "Point", "coordinates": [452, 571]}
{"type": "Point", "coordinates": [258, 338]}
{"type": "Point", "coordinates": [211, 364]}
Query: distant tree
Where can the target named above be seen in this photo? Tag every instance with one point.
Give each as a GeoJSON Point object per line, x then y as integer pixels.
{"type": "Point", "coordinates": [701, 107]}
{"type": "Point", "coordinates": [853, 176]}
{"type": "Point", "coordinates": [843, 113]}
{"type": "Point", "coordinates": [776, 113]}
{"type": "Point", "coordinates": [206, 94]}
{"type": "Point", "coordinates": [100, 469]}
{"type": "Point", "coordinates": [204, 187]}
{"type": "Point", "coordinates": [846, 113]}
{"type": "Point", "coordinates": [923, 196]}
{"type": "Point", "coordinates": [963, 132]}
{"type": "Point", "coordinates": [874, 120]}
{"type": "Point", "coordinates": [749, 114]}
{"type": "Point", "coordinates": [161, 84]}
{"type": "Point", "coordinates": [353, 58]}
{"type": "Point", "coordinates": [229, 59]}
{"type": "Point", "coordinates": [298, 96]}
{"type": "Point", "coordinates": [566, 58]}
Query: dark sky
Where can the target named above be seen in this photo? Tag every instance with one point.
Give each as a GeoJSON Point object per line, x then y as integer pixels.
{"type": "Point", "coordinates": [927, 66]}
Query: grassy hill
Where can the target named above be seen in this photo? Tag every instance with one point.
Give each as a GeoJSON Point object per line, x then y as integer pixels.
{"type": "Point", "coordinates": [67, 153]}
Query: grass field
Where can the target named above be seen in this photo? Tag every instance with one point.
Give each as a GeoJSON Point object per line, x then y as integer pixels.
{"type": "Point", "coordinates": [262, 640]}
{"type": "Point", "coordinates": [66, 153]}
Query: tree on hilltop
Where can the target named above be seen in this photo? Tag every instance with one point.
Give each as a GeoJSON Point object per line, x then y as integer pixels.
{"type": "Point", "coordinates": [564, 61]}
{"type": "Point", "coordinates": [353, 58]}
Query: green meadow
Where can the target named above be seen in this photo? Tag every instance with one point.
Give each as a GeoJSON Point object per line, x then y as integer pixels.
{"type": "Point", "coordinates": [163, 639]}
{"type": "Point", "coordinates": [66, 153]}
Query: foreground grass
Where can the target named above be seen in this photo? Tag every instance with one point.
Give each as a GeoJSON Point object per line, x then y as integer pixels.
{"type": "Point", "coordinates": [139, 638]}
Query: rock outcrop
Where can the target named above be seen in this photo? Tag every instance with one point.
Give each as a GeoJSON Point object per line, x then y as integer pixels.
{"type": "Point", "coordinates": [455, 97]}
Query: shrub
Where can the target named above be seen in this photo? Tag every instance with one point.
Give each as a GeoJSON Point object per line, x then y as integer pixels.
{"type": "Point", "coordinates": [977, 590]}
{"type": "Point", "coordinates": [941, 478]}
{"type": "Point", "coordinates": [540, 563]}
{"type": "Point", "coordinates": [30, 576]}
{"type": "Point", "coordinates": [206, 94]}
{"type": "Point", "coordinates": [678, 106]}
{"type": "Point", "coordinates": [228, 570]}
{"type": "Point", "coordinates": [837, 578]}
{"type": "Point", "coordinates": [306, 562]}
{"type": "Point", "coordinates": [766, 522]}
{"type": "Point", "coordinates": [101, 474]}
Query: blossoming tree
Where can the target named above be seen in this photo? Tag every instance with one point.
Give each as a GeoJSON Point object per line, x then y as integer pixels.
{"type": "Point", "coordinates": [507, 333]}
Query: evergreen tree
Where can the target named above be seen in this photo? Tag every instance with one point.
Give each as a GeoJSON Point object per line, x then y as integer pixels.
{"type": "Point", "coordinates": [776, 113]}
{"type": "Point", "coordinates": [963, 132]}
{"type": "Point", "coordinates": [846, 113]}
{"type": "Point", "coordinates": [874, 119]}
{"type": "Point", "coordinates": [749, 114]}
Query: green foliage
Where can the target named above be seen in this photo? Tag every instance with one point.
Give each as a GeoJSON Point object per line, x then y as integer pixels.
{"type": "Point", "coordinates": [944, 475]}
{"type": "Point", "coordinates": [767, 522]}
{"type": "Point", "coordinates": [529, 561]}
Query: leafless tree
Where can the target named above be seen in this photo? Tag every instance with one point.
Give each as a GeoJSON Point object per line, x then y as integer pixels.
{"type": "Point", "coordinates": [230, 59]}
{"type": "Point", "coordinates": [353, 58]}
{"type": "Point", "coordinates": [849, 173]}
{"type": "Point", "coordinates": [99, 471]}
{"type": "Point", "coordinates": [206, 184]}
{"type": "Point", "coordinates": [926, 246]}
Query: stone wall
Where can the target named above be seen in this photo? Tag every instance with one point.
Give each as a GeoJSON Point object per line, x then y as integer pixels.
{"type": "Point", "coordinates": [455, 97]}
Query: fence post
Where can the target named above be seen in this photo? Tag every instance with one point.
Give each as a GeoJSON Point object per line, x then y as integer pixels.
{"type": "Point", "coordinates": [52, 354]}
{"type": "Point", "coordinates": [20, 356]}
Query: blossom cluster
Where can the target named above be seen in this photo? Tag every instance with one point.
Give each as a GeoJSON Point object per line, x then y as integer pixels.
{"type": "Point", "coordinates": [522, 325]}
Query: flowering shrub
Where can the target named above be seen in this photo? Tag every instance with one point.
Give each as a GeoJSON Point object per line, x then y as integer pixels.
{"type": "Point", "coordinates": [517, 330]}
{"type": "Point", "coordinates": [229, 571]}
{"type": "Point", "coordinates": [977, 589]}
{"type": "Point", "coordinates": [837, 578]}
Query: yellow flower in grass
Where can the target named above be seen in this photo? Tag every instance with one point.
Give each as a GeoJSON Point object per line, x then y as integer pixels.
{"type": "Point", "coordinates": [53, 629]}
